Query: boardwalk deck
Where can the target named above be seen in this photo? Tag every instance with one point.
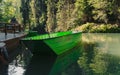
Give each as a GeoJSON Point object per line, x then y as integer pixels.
{"type": "Point", "coordinates": [11, 40]}
{"type": "Point", "coordinates": [9, 36]}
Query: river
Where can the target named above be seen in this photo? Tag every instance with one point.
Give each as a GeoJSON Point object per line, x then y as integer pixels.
{"type": "Point", "coordinates": [96, 54]}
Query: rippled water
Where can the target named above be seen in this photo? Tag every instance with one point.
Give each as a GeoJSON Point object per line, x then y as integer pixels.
{"type": "Point", "coordinates": [99, 54]}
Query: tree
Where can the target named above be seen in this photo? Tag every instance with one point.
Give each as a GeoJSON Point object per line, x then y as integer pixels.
{"type": "Point", "coordinates": [65, 17]}
{"type": "Point", "coordinates": [51, 14]}
{"type": "Point", "coordinates": [25, 10]}
{"type": "Point", "coordinates": [105, 11]}
{"type": "Point", "coordinates": [8, 9]}
{"type": "Point", "coordinates": [83, 10]}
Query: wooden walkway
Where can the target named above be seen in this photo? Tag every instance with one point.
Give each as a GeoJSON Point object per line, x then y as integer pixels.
{"type": "Point", "coordinates": [9, 36]}
{"type": "Point", "coordinates": [10, 27]}
{"type": "Point", "coordinates": [11, 40]}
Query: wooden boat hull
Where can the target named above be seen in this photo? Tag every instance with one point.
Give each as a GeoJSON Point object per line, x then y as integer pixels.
{"type": "Point", "coordinates": [54, 45]}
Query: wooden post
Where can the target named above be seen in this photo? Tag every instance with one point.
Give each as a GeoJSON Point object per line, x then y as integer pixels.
{"type": "Point", "coordinates": [5, 29]}
{"type": "Point", "coordinates": [3, 53]}
{"type": "Point", "coordinates": [19, 27]}
{"type": "Point", "coordinates": [14, 28]}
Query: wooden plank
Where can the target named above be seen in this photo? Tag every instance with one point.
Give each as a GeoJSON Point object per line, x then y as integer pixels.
{"type": "Point", "coordinates": [9, 36]}
{"type": "Point", "coordinates": [11, 40]}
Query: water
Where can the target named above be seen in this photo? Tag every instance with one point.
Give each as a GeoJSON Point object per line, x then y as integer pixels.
{"type": "Point", "coordinates": [44, 64]}
{"type": "Point", "coordinates": [99, 54]}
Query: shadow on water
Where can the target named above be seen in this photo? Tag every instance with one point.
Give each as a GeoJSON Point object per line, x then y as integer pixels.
{"type": "Point", "coordinates": [3, 69]}
{"type": "Point", "coordinates": [51, 65]}
{"type": "Point", "coordinates": [41, 64]}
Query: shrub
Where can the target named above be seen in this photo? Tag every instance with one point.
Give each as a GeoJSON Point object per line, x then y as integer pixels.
{"type": "Point", "coordinates": [99, 28]}
{"type": "Point", "coordinates": [86, 27]}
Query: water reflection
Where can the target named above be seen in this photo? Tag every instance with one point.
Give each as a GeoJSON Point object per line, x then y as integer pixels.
{"type": "Point", "coordinates": [51, 65]}
{"type": "Point", "coordinates": [65, 64]}
{"type": "Point", "coordinates": [101, 55]}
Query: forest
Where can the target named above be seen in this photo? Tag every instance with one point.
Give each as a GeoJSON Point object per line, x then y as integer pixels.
{"type": "Point", "coordinates": [63, 15]}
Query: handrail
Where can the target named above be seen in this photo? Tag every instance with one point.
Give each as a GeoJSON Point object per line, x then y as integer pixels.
{"type": "Point", "coordinates": [10, 26]}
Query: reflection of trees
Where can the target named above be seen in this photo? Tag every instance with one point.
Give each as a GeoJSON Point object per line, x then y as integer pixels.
{"type": "Point", "coordinates": [113, 64]}
{"type": "Point", "coordinates": [101, 37]}
{"type": "Point", "coordinates": [72, 70]}
{"type": "Point", "coordinates": [86, 58]}
{"type": "Point", "coordinates": [66, 64]}
{"type": "Point", "coordinates": [98, 65]}
{"type": "Point", "coordinates": [95, 61]}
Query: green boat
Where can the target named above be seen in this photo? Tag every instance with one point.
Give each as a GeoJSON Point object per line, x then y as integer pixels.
{"type": "Point", "coordinates": [54, 43]}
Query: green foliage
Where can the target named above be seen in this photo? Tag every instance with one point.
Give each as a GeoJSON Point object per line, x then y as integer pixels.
{"type": "Point", "coordinates": [40, 9]}
{"type": "Point", "coordinates": [62, 15]}
{"type": "Point", "coordinates": [0, 1]}
{"type": "Point", "coordinates": [84, 11]}
{"type": "Point", "coordinates": [8, 9]}
{"type": "Point", "coordinates": [25, 10]}
{"type": "Point", "coordinates": [105, 28]}
{"type": "Point", "coordinates": [100, 11]}
{"type": "Point", "coordinates": [86, 27]}
{"type": "Point", "coordinates": [34, 14]}
{"type": "Point", "coordinates": [105, 11]}
{"type": "Point", "coordinates": [51, 14]}
{"type": "Point", "coordinates": [100, 8]}
{"type": "Point", "coordinates": [99, 28]}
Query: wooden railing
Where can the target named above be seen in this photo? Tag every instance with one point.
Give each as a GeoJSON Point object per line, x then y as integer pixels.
{"type": "Point", "coordinates": [10, 28]}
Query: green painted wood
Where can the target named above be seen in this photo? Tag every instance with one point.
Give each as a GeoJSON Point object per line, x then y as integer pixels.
{"type": "Point", "coordinates": [34, 36]}
{"type": "Point", "coordinates": [64, 43]}
{"type": "Point", "coordinates": [58, 42]}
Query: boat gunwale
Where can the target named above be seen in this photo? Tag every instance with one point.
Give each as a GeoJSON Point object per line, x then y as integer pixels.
{"type": "Point", "coordinates": [73, 33]}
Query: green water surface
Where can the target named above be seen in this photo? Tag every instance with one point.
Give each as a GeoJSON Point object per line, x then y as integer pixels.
{"type": "Point", "coordinates": [97, 54]}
